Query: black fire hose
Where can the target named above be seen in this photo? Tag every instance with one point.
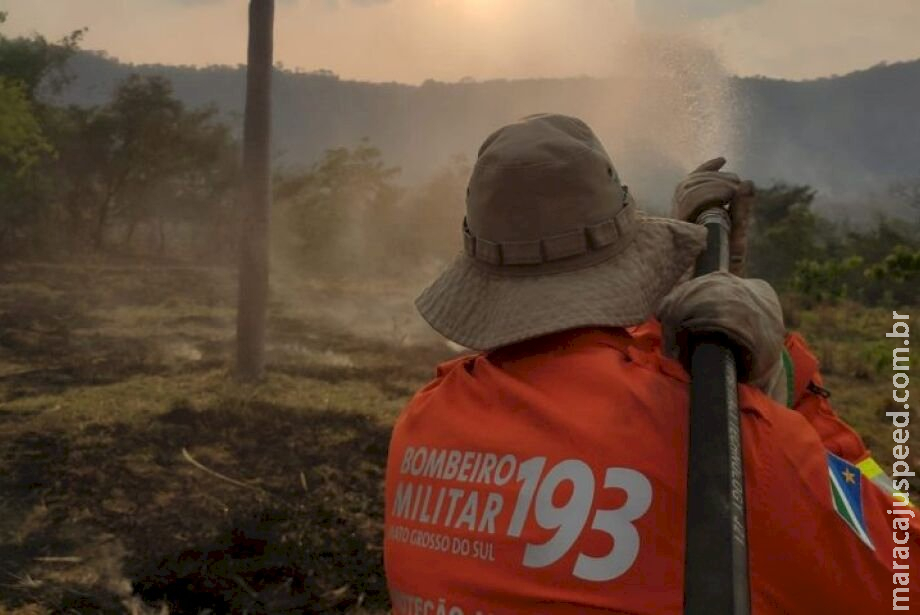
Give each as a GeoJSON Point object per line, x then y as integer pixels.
{"type": "Point", "coordinates": [716, 578]}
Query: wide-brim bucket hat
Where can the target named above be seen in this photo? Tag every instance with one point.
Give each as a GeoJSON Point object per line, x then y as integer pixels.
{"type": "Point", "coordinates": [553, 241]}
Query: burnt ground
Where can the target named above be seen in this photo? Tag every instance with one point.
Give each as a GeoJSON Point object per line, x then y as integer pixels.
{"type": "Point", "coordinates": [137, 476]}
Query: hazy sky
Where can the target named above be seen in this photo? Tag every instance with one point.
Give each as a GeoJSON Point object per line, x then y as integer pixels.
{"type": "Point", "coordinates": [411, 40]}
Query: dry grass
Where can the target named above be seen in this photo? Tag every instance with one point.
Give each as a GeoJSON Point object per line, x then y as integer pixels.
{"type": "Point", "coordinates": [856, 360]}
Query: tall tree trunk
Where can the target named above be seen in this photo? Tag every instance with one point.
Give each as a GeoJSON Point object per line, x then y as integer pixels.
{"type": "Point", "coordinates": [256, 196]}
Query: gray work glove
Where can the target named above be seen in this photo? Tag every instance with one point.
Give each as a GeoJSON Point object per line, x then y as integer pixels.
{"type": "Point", "coordinates": [707, 187]}
{"type": "Point", "coordinates": [746, 311]}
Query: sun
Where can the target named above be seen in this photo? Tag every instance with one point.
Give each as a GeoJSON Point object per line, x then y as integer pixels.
{"type": "Point", "coordinates": [481, 9]}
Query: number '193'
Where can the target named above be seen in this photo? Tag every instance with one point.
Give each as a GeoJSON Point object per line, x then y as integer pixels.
{"type": "Point", "coordinates": [569, 519]}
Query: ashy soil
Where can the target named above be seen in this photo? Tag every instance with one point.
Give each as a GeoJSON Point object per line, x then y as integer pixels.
{"type": "Point", "coordinates": [137, 476]}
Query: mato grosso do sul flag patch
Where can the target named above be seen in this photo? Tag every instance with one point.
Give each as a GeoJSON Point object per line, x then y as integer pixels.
{"type": "Point", "coordinates": [846, 494]}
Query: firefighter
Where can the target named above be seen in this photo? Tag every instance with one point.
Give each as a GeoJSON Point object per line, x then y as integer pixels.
{"type": "Point", "coordinates": [546, 473]}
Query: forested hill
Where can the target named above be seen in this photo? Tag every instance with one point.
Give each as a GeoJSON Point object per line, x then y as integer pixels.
{"type": "Point", "coordinates": [844, 135]}
{"type": "Point", "coordinates": [857, 130]}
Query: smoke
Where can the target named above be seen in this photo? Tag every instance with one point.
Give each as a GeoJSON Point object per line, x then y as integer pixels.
{"type": "Point", "coordinates": [663, 105]}
{"type": "Point", "coordinates": [669, 105]}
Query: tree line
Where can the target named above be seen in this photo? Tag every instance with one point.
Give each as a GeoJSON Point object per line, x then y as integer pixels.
{"type": "Point", "coordinates": [802, 252]}
{"type": "Point", "coordinates": [145, 175]}
{"type": "Point", "coordinates": [110, 177]}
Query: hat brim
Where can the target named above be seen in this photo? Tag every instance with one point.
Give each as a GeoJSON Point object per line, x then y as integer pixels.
{"type": "Point", "coordinates": [482, 309]}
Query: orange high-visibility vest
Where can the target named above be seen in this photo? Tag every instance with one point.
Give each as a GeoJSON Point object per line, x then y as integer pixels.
{"type": "Point", "coordinates": [550, 477]}
{"type": "Point", "coordinates": [805, 392]}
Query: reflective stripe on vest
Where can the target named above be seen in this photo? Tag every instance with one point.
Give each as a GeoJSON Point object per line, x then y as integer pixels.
{"type": "Point", "coordinates": [789, 368]}
{"type": "Point", "coordinates": [873, 471]}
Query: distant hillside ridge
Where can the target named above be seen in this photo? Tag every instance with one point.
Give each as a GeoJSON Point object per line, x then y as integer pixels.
{"type": "Point", "coordinates": [844, 135]}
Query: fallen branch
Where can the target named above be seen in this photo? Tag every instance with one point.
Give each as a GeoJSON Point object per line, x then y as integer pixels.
{"type": "Point", "coordinates": [215, 474]}
{"type": "Point", "coordinates": [232, 481]}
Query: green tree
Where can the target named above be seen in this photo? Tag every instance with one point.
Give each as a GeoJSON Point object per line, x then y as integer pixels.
{"type": "Point", "coordinates": [341, 208]}
{"type": "Point", "coordinates": [893, 279]}
{"type": "Point", "coordinates": [825, 280]}
{"type": "Point", "coordinates": [901, 265]}
{"type": "Point", "coordinates": [784, 231]}
{"type": "Point", "coordinates": [143, 159]}
{"type": "Point", "coordinates": [77, 176]}
{"type": "Point", "coordinates": [22, 142]}
{"type": "Point", "coordinates": [36, 63]}
{"type": "Point", "coordinates": [23, 146]}
{"type": "Point", "coordinates": [26, 127]}
{"type": "Point", "coordinates": [23, 149]}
